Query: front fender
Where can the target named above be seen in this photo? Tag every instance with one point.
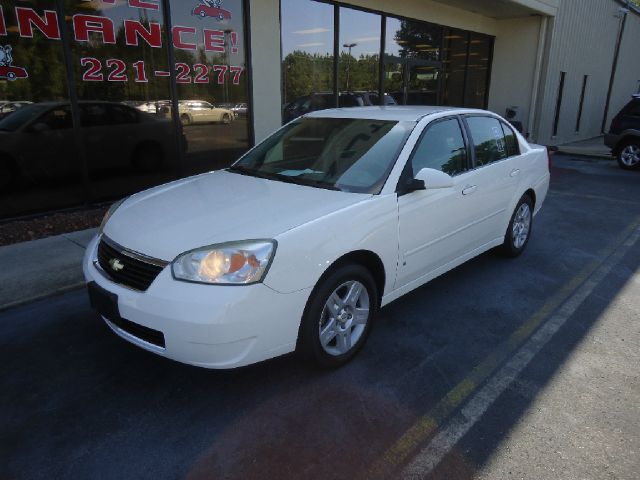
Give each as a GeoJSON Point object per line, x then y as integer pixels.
{"type": "Point", "coordinates": [306, 252]}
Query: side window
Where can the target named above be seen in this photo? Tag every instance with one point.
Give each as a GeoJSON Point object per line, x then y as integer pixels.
{"type": "Point", "coordinates": [488, 139]}
{"type": "Point", "coordinates": [441, 147]}
{"type": "Point", "coordinates": [94, 115]}
{"type": "Point", "coordinates": [58, 118]}
{"type": "Point", "coordinates": [120, 114]}
{"type": "Point", "coordinates": [513, 148]}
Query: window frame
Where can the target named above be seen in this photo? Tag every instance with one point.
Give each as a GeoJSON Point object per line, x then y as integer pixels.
{"type": "Point", "coordinates": [407, 170]}
{"type": "Point", "coordinates": [473, 145]}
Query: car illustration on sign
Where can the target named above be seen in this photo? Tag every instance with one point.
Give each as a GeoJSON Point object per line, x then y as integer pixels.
{"type": "Point", "coordinates": [203, 11]}
{"type": "Point", "coordinates": [13, 73]}
{"type": "Point", "coordinates": [297, 245]}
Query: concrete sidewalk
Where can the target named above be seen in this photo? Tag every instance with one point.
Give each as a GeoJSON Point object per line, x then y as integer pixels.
{"type": "Point", "coordinates": [593, 147]}
{"type": "Point", "coordinates": [37, 269]}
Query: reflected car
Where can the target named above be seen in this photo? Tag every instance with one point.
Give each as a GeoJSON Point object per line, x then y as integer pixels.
{"type": "Point", "coordinates": [9, 107]}
{"type": "Point", "coordinates": [323, 100]}
{"type": "Point", "coordinates": [12, 73]}
{"type": "Point", "coordinates": [37, 141]}
{"type": "Point", "coordinates": [240, 110]}
{"type": "Point", "coordinates": [624, 135]}
{"type": "Point", "coordinates": [298, 244]}
{"type": "Point", "coordinates": [199, 111]}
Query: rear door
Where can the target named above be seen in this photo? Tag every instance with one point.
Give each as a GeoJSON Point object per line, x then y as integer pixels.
{"type": "Point", "coordinates": [497, 174]}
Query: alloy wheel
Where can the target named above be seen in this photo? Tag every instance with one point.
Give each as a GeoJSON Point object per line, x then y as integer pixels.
{"type": "Point", "coordinates": [521, 226]}
{"type": "Point", "coordinates": [630, 155]}
{"type": "Point", "coordinates": [344, 318]}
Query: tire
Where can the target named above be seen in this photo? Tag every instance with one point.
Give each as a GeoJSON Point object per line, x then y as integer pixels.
{"type": "Point", "coordinates": [202, 14]}
{"type": "Point", "coordinates": [147, 157]}
{"type": "Point", "coordinates": [519, 231]}
{"type": "Point", "coordinates": [329, 341]}
{"type": "Point", "coordinates": [185, 119]}
{"type": "Point", "coordinates": [11, 76]}
{"type": "Point", "coordinates": [629, 154]}
{"type": "Point", "coordinates": [8, 173]}
{"type": "Point", "coordinates": [226, 119]}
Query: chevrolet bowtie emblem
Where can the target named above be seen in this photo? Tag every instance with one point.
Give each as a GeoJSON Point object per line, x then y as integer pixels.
{"type": "Point", "coordinates": [116, 265]}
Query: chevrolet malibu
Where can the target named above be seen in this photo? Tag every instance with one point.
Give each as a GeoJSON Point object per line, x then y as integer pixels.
{"type": "Point", "coordinates": [298, 244]}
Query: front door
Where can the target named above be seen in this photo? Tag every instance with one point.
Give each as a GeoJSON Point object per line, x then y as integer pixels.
{"type": "Point", "coordinates": [436, 225]}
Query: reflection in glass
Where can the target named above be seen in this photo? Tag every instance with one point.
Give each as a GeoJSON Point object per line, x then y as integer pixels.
{"type": "Point", "coordinates": [359, 54]}
{"type": "Point", "coordinates": [412, 62]}
{"type": "Point", "coordinates": [478, 71]}
{"type": "Point", "coordinates": [39, 169]}
{"type": "Point", "coordinates": [212, 81]}
{"type": "Point", "coordinates": [454, 66]}
{"type": "Point", "coordinates": [307, 57]}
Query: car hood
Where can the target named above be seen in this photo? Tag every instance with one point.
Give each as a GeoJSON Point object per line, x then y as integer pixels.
{"type": "Point", "coordinates": [217, 207]}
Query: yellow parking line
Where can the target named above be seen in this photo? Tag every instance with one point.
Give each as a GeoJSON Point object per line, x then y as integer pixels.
{"type": "Point", "coordinates": [426, 425]}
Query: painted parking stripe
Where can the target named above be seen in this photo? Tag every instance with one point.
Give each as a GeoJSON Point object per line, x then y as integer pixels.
{"type": "Point", "coordinates": [427, 425]}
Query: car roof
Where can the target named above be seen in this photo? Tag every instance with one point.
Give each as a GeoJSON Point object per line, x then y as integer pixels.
{"type": "Point", "coordinates": [389, 112]}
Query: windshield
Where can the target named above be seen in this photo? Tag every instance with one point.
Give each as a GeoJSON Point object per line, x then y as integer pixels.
{"type": "Point", "coordinates": [22, 116]}
{"type": "Point", "coordinates": [351, 155]}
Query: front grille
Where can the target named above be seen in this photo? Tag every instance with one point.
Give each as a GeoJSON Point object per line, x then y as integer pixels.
{"type": "Point", "coordinates": [133, 271]}
{"type": "Point", "coordinates": [149, 335]}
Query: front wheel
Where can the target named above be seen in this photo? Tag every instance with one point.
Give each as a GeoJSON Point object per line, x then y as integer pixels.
{"type": "Point", "coordinates": [629, 155]}
{"type": "Point", "coordinates": [519, 230]}
{"type": "Point", "coordinates": [226, 119]}
{"type": "Point", "coordinates": [338, 316]}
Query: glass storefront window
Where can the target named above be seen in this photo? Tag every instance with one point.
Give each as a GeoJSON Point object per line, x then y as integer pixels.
{"type": "Point", "coordinates": [480, 47]}
{"type": "Point", "coordinates": [39, 169]}
{"type": "Point", "coordinates": [208, 39]}
{"type": "Point", "coordinates": [359, 57]}
{"type": "Point", "coordinates": [118, 55]}
{"type": "Point", "coordinates": [454, 62]}
{"type": "Point", "coordinates": [412, 61]}
{"type": "Point", "coordinates": [307, 57]}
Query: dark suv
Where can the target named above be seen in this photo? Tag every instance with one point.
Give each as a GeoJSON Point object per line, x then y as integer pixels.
{"type": "Point", "coordinates": [624, 135]}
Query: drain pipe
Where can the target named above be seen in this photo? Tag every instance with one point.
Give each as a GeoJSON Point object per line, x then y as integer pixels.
{"type": "Point", "coordinates": [623, 20]}
{"type": "Point", "coordinates": [537, 74]}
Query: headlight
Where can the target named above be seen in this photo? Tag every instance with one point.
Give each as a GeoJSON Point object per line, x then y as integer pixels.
{"type": "Point", "coordinates": [110, 212]}
{"type": "Point", "coordinates": [233, 263]}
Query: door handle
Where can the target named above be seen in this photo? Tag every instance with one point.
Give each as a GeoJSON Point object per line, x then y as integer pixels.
{"type": "Point", "coordinates": [515, 172]}
{"type": "Point", "coordinates": [469, 189]}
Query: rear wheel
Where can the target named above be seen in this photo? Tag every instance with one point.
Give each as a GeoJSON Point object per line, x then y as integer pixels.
{"type": "Point", "coordinates": [519, 230]}
{"type": "Point", "coordinates": [338, 316]}
{"type": "Point", "coordinates": [8, 173]}
{"type": "Point", "coordinates": [147, 157]}
{"type": "Point", "coordinates": [629, 155]}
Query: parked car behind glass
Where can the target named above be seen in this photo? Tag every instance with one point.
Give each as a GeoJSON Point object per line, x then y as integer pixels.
{"type": "Point", "coordinates": [37, 140]}
{"type": "Point", "coordinates": [624, 135]}
{"type": "Point", "coordinates": [9, 107]}
{"type": "Point", "coordinates": [199, 111]}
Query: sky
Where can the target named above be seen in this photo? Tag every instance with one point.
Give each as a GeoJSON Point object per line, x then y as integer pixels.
{"type": "Point", "coordinates": [308, 26]}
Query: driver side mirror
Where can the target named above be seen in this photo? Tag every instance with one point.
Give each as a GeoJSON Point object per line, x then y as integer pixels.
{"type": "Point", "coordinates": [429, 179]}
{"type": "Point", "coordinates": [434, 179]}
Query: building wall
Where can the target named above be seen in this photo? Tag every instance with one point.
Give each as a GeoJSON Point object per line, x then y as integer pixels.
{"type": "Point", "coordinates": [514, 64]}
{"type": "Point", "coordinates": [265, 66]}
{"type": "Point", "coordinates": [581, 42]}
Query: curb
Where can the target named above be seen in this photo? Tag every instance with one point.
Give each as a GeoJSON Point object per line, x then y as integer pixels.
{"type": "Point", "coordinates": [52, 293]}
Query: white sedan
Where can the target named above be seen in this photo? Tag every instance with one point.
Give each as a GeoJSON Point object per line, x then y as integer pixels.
{"type": "Point", "coordinates": [301, 241]}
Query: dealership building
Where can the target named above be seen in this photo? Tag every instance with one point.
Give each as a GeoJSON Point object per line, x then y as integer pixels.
{"type": "Point", "coordinates": [91, 110]}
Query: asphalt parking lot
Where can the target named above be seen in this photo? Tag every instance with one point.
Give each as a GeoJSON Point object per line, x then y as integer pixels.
{"type": "Point", "coordinates": [441, 390]}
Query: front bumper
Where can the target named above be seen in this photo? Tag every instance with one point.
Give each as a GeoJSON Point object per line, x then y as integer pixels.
{"type": "Point", "coordinates": [210, 326]}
